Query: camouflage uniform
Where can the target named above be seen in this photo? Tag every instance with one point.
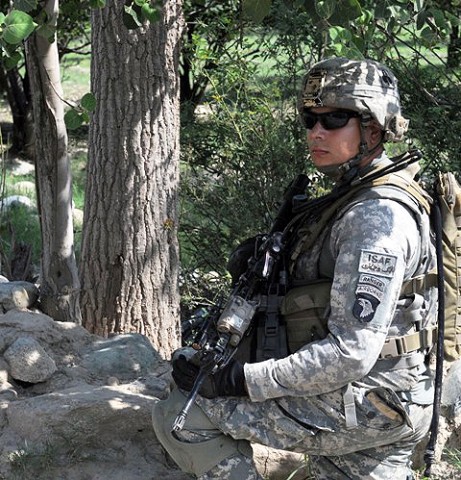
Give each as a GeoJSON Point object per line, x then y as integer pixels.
{"type": "Point", "coordinates": [357, 414]}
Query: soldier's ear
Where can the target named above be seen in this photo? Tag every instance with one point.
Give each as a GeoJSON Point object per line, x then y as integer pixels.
{"type": "Point", "coordinates": [374, 133]}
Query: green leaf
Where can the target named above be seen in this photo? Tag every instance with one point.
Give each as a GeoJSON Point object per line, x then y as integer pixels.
{"type": "Point", "coordinates": [325, 8]}
{"type": "Point", "coordinates": [88, 102]}
{"type": "Point", "coordinates": [418, 5]}
{"type": "Point", "coordinates": [421, 19]}
{"type": "Point", "coordinates": [366, 18]}
{"type": "Point", "coordinates": [85, 117]}
{"type": "Point", "coordinates": [439, 19]}
{"type": "Point", "coordinates": [73, 119]}
{"type": "Point", "coordinates": [428, 36]}
{"type": "Point", "coordinates": [18, 26]}
{"type": "Point", "coordinates": [339, 34]}
{"type": "Point", "coordinates": [25, 5]}
{"type": "Point", "coordinates": [97, 3]}
{"type": "Point", "coordinates": [151, 13]}
{"type": "Point", "coordinates": [345, 12]}
{"type": "Point", "coordinates": [12, 61]}
{"type": "Point", "coordinates": [453, 19]}
{"type": "Point", "coordinates": [47, 31]}
{"type": "Point", "coordinates": [131, 17]}
{"type": "Point", "coordinates": [256, 10]}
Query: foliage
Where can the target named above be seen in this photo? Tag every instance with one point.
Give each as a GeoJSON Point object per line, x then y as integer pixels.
{"type": "Point", "coordinates": [79, 114]}
{"type": "Point", "coordinates": [233, 158]}
{"type": "Point", "coordinates": [137, 11]}
{"type": "Point", "coordinates": [454, 457]}
{"type": "Point", "coordinates": [15, 27]}
{"type": "Point", "coordinates": [242, 62]}
{"type": "Point", "coordinates": [40, 461]}
{"type": "Point", "coordinates": [28, 16]}
{"type": "Point", "coordinates": [211, 35]}
{"type": "Point", "coordinates": [238, 156]}
{"type": "Point", "coordinates": [19, 226]}
{"type": "Point", "coordinates": [431, 99]}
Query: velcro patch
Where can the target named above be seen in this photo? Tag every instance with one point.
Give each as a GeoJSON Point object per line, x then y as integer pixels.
{"type": "Point", "coordinates": [376, 263]}
{"type": "Point", "coordinates": [370, 285]}
{"type": "Point", "coordinates": [364, 308]}
{"type": "Point", "coordinates": [368, 295]}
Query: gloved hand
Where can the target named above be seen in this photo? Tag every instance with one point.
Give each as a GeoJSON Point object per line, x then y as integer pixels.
{"type": "Point", "coordinates": [228, 381]}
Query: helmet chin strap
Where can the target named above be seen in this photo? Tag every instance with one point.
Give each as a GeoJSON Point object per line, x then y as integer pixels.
{"type": "Point", "coordinates": [348, 170]}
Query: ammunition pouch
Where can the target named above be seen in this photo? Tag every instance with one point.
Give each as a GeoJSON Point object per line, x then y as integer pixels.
{"type": "Point", "coordinates": [305, 310]}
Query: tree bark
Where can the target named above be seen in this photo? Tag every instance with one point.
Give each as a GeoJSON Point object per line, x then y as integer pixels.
{"type": "Point", "coordinates": [129, 260]}
{"type": "Point", "coordinates": [454, 48]}
{"type": "Point", "coordinates": [18, 96]}
{"type": "Point", "coordinates": [59, 288]}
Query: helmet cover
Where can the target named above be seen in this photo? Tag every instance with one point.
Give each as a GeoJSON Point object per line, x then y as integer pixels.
{"type": "Point", "coordinates": [364, 86]}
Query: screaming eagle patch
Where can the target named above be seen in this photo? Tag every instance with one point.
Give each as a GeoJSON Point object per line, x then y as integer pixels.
{"type": "Point", "coordinates": [370, 287]}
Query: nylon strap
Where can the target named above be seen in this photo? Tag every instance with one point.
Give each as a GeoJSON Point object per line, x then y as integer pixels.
{"type": "Point", "coordinates": [398, 346]}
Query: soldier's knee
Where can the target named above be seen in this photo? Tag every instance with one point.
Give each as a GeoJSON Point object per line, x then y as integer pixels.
{"type": "Point", "coordinates": [196, 458]}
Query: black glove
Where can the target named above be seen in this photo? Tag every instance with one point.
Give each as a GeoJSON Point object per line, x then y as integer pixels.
{"type": "Point", "coordinates": [238, 259]}
{"type": "Point", "coordinates": [184, 371]}
{"type": "Point", "coordinates": [228, 381]}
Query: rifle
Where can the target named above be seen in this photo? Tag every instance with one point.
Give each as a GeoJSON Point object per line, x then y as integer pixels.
{"type": "Point", "coordinates": [255, 294]}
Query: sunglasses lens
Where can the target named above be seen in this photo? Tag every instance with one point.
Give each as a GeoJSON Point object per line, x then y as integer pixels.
{"type": "Point", "coordinates": [309, 119]}
{"type": "Point", "coordinates": [333, 120]}
{"type": "Point", "coordinates": [329, 121]}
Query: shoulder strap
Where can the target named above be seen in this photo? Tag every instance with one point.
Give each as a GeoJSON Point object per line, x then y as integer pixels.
{"type": "Point", "coordinates": [403, 180]}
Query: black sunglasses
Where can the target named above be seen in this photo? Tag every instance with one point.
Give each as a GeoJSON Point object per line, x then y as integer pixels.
{"type": "Point", "coordinates": [329, 120]}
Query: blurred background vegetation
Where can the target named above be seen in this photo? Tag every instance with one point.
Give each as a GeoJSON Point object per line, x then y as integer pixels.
{"type": "Point", "coordinates": [242, 63]}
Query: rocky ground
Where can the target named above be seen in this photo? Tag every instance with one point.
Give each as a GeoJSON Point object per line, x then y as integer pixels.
{"type": "Point", "coordinates": [74, 406]}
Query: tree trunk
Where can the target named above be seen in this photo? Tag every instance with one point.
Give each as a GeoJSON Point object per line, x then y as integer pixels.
{"type": "Point", "coordinates": [454, 48]}
{"type": "Point", "coordinates": [18, 96]}
{"type": "Point", "coordinates": [59, 289]}
{"type": "Point", "coordinates": [129, 261]}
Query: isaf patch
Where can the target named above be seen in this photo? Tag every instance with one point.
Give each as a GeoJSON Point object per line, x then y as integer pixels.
{"type": "Point", "coordinates": [370, 287]}
{"type": "Point", "coordinates": [376, 263]}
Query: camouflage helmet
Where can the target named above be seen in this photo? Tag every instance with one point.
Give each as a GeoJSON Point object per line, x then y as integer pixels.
{"type": "Point", "coordinates": [364, 86]}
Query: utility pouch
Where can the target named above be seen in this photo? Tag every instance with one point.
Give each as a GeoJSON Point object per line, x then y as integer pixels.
{"type": "Point", "coordinates": [305, 310]}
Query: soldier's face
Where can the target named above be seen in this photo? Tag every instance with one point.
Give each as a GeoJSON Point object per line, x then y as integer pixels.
{"type": "Point", "coordinates": [336, 146]}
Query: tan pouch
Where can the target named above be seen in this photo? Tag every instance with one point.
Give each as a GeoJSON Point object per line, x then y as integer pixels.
{"type": "Point", "coordinates": [305, 310]}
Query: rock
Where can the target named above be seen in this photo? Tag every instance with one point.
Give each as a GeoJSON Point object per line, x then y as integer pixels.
{"type": "Point", "coordinates": [89, 415]}
{"type": "Point", "coordinates": [28, 361]}
{"type": "Point", "coordinates": [20, 167]}
{"type": "Point", "coordinates": [77, 216]}
{"type": "Point", "coordinates": [451, 392]}
{"type": "Point", "coordinates": [73, 426]}
{"type": "Point", "coordinates": [8, 393]}
{"type": "Point", "coordinates": [91, 418]}
{"type": "Point", "coordinates": [16, 201]}
{"type": "Point", "coordinates": [280, 465]}
{"type": "Point", "coordinates": [3, 372]}
{"type": "Point", "coordinates": [17, 294]}
{"type": "Point", "coordinates": [64, 339]}
{"type": "Point", "coordinates": [24, 187]}
{"type": "Point", "coordinates": [123, 356]}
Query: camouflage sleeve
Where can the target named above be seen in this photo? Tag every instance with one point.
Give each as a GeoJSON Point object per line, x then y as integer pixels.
{"type": "Point", "coordinates": [374, 247]}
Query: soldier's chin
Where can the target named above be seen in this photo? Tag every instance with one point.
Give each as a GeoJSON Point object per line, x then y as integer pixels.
{"type": "Point", "coordinates": [332, 171]}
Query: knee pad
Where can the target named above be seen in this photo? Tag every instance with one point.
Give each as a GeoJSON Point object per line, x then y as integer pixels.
{"type": "Point", "coordinates": [195, 458]}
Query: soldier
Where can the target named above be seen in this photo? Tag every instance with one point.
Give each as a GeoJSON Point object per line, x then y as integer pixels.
{"type": "Point", "coordinates": [355, 393]}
